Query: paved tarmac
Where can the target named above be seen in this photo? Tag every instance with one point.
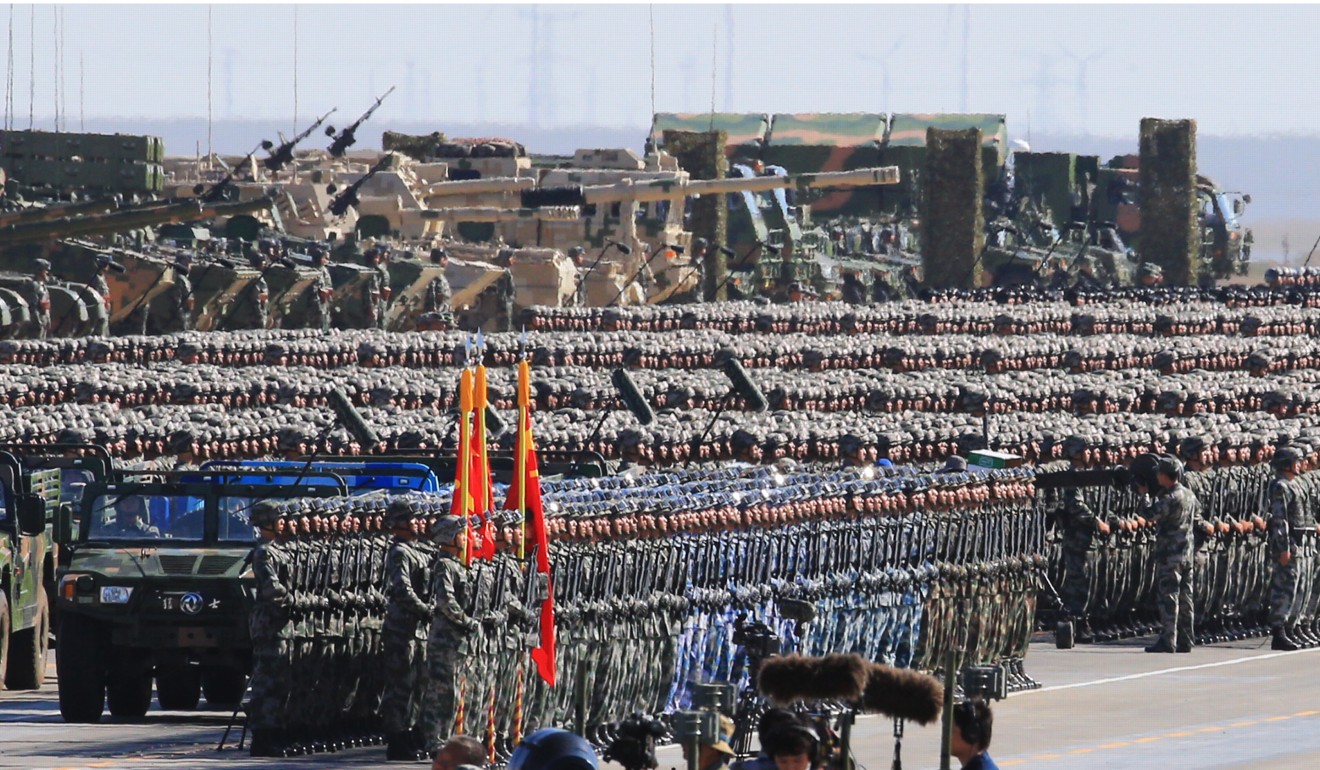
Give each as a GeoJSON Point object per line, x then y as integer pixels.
{"type": "Point", "coordinates": [1106, 706]}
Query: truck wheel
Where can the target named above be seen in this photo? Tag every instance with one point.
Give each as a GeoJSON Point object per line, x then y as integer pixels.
{"type": "Point", "coordinates": [178, 688]}
{"type": "Point", "coordinates": [27, 655]}
{"type": "Point", "coordinates": [80, 670]}
{"type": "Point", "coordinates": [128, 694]}
{"type": "Point", "coordinates": [224, 686]}
{"type": "Point", "coordinates": [4, 631]}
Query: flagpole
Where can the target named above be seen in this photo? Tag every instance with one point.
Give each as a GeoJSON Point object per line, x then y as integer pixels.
{"type": "Point", "coordinates": [524, 429]}
{"type": "Point", "coordinates": [464, 445]}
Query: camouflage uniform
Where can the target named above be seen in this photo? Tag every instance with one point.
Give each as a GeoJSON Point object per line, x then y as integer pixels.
{"type": "Point", "coordinates": [451, 629]}
{"type": "Point", "coordinates": [439, 296]}
{"type": "Point", "coordinates": [407, 618]}
{"type": "Point", "coordinates": [102, 289]}
{"type": "Point", "coordinates": [1174, 513]}
{"type": "Point", "coordinates": [41, 310]}
{"type": "Point", "coordinates": [1077, 522]}
{"type": "Point", "coordinates": [271, 630]}
{"type": "Point", "coordinates": [322, 287]}
{"type": "Point", "coordinates": [179, 298]}
{"type": "Point", "coordinates": [380, 292]}
{"type": "Point", "coordinates": [1288, 519]}
{"type": "Point", "coordinates": [255, 306]}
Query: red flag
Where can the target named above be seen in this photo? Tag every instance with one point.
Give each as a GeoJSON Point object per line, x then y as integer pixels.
{"type": "Point", "coordinates": [525, 497]}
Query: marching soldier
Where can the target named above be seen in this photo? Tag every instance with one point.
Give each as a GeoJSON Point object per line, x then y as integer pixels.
{"type": "Point", "coordinates": [1078, 524]}
{"type": "Point", "coordinates": [1288, 525]}
{"type": "Point", "coordinates": [272, 631]}
{"type": "Point", "coordinates": [1174, 513]}
{"type": "Point", "coordinates": [407, 620]}
{"type": "Point", "coordinates": [451, 630]}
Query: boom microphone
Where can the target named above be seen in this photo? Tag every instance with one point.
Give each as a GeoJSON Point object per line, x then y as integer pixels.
{"type": "Point", "coordinates": [902, 693]}
{"type": "Point", "coordinates": [350, 419]}
{"type": "Point", "coordinates": [791, 678]}
{"type": "Point", "coordinates": [632, 397]}
{"type": "Point", "coordinates": [743, 385]}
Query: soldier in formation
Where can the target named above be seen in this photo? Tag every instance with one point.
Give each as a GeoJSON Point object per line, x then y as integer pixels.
{"type": "Point", "coordinates": [271, 627]}
{"type": "Point", "coordinates": [1174, 512]}
{"type": "Point", "coordinates": [40, 328]}
{"type": "Point", "coordinates": [1292, 531]}
{"type": "Point", "coordinates": [451, 633]}
{"type": "Point", "coordinates": [404, 632]}
{"type": "Point", "coordinates": [439, 295]}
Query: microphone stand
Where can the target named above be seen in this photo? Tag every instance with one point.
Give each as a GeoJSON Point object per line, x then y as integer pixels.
{"type": "Point", "coordinates": [637, 274]}
{"type": "Point", "coordinates": [728, 273]}
{"type": "Point", "coordinates": [577, 286]}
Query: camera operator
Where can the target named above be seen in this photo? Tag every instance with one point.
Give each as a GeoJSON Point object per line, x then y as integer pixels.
{"type": "Point", "coordinates": [459, 750]}
{"type": "Point", "coordinates": [715, 753]}
{"type": "Point", "coordinates": [773, 722]}
{"type": "Point", "coordinates": [796, 747]}
{"type": "Point", "coordinates": [973, 723]}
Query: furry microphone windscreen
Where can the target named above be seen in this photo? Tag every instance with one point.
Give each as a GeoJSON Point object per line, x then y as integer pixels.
{"type": "Point", "coordinates": [798, 677]}
{"type": "Point", "coordinates": [899, 692]}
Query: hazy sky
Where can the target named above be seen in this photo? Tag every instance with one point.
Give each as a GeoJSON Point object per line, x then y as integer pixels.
{"type": "Point", "coordinates": [1237, 69]}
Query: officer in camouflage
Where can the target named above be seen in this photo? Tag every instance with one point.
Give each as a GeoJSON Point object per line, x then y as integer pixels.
{"type": "Point", "coordinates": [451, 631]}
{"type": "Point", "coordinates": [40, 328]}
{"type": "Point", "coordinates": [1290, 520]}
{"type": "Point", "coordinates": [271, 630]}
{"type": "Point", "coordinates": [1174, 512]}
{"type": "Point", "coordinates": [439, 295]}
{"type": "Point", "coordinates": [322, 292]}
{"type": "Point", "coordinates": [407, 621]}
{"type": "Point", "coordinates": [179, 299]}
{"type": "Point", "coordinates": [102, 289]}
{"type": "Point", "coordinates": [1078, 525]}
{"type": "Point", "coordinates": [378, 289]}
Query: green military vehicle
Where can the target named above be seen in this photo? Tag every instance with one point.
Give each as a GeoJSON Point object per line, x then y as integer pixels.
{"type": "Point", "coordinates": [154, 582]}
{"type": "Point", "coordinates": [27, 570]}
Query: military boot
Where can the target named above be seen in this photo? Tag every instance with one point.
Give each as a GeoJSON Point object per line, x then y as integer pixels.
{"type": "Point", "coordinates": [1302, 635]}
{"type": "Point", "coordinates": [1283, 642]}
{"type": "Point", "coordinates": [267, 743]}
{"type": "Point", "coordinates": [400, 747]}
{"type": "Point", "coordinates": [1161, 645]}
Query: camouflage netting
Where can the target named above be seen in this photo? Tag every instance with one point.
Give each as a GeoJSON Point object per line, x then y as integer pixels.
{"type": "Point", "coordinates": [953, 225]}
{"type": "Point", "coordinates": [1170, 237]}
{"type": "Point", "coordinates": [1048, 179]}
{"type": "Point", "coordinates": [701, 154]}
{"type": "Point", "coordinates": [420, 147]}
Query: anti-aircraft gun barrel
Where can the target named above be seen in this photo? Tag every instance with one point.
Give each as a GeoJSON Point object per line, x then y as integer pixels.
{"type": "Point", "coordinates": [668, 189]}
{"type": "Point", "coordinates": [148, 215]}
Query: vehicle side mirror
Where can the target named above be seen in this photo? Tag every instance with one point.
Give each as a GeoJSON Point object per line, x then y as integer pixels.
{"type": "Point", "coordinates": [31, 515]}
{"type": "Point", "coordinates": [1239, 206]}
{"type": "Point", "coordinates": [63, 529]}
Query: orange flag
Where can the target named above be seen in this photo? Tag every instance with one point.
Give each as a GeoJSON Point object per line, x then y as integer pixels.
{"type": "Point", "coordinates": [525, 497]}
{"type": "Point", "coordinates": [462, 503]}
{"type": "Point", "coordinates": [483, 495]}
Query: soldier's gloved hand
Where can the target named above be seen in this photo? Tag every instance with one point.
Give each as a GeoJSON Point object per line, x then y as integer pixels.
{"type": "Point", "coordinates": [495, 617]}
{"type": "Point", "coordinates": [470, 625]}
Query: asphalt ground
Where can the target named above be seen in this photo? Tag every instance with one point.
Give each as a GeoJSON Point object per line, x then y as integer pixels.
{"type": "Point", "coordinates": [1235, 705]}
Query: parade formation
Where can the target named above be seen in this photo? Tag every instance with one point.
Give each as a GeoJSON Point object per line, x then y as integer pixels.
{"type": "Point", "coordinates": [449, 440]}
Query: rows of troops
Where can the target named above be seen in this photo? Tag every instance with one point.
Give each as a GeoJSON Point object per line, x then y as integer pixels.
{"type": "Point", "coordinates": [355, 632]}
{"type": "Point", "coordinates": [897, 564]}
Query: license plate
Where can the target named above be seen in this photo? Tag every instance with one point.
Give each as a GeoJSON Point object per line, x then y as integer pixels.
{"type": "Point", "coordinates": [189, 603]}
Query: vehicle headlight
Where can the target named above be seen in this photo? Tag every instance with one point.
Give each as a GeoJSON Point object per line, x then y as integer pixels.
{"type": "Point", "coordinates": [115, 594]}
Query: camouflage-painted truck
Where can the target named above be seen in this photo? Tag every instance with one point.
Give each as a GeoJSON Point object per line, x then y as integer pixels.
{"type": "Point", "coordinates": [27, 570]}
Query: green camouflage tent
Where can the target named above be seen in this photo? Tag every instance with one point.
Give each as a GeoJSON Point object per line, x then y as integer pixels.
{"type": "Point", "coordinates": [813, 142]}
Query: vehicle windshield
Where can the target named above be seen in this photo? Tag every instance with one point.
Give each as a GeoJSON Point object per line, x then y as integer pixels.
{"type": "Point", "coordinates": [234, 526]}
{"type": "Point", "coordinates": [147, 517]}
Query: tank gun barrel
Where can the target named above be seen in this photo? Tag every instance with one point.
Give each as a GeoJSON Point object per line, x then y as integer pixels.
{"type": "Point", "coordinates": [479, 186]}
{"type": "Point", "coordinates": [492, 214]}
{"type": "Point", "coordinates": [160, 213]}
{"type": "Point", "coordinates": [669, 189]}
{"type": "Point", "coordinates": [47, 213]}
